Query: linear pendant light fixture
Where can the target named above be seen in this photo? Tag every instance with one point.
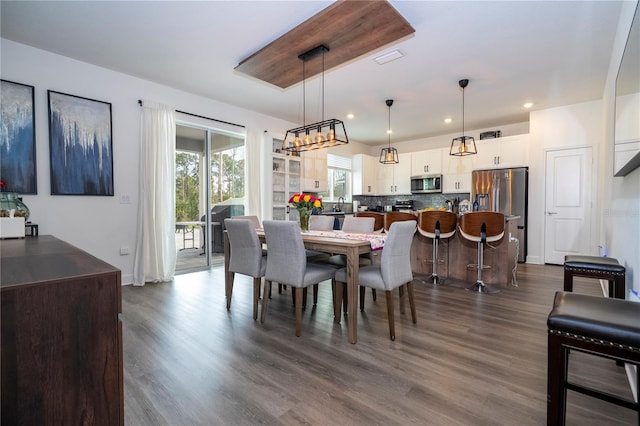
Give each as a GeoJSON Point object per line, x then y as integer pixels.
{"type": "Point", "coordinates": [335, 132]}
{"type": "Point", "coordinates": [463, 145]}
{"type": "Point", "coordinates": [389, 155]}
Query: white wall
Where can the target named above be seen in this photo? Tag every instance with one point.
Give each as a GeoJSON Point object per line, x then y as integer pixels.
{"type": "Point", "coordinates": [620, 209]}
{"type": "Point", "coordinates": [101, 225]}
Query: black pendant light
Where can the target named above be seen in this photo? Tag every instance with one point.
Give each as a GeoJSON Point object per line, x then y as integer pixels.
{"type": "Point", "coordinates": [463, 145]}
{"type": "Point", "coordinates": [389, 155]}
{"type": "Point", "coordinates": [335, 132]}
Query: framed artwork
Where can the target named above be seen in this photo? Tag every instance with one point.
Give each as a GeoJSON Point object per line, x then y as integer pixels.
{"type": "Point", "coordinates": [17, 138]}
{"type": "Point", "coordinates": [80, 145]}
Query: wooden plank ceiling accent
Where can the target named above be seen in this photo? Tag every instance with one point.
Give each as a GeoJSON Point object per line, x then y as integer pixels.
{"type": "Point", "coordinates": [348, 28]}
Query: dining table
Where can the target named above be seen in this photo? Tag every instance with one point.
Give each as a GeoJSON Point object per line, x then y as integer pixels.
{"type": "Point", "coordinates": [352, 245]}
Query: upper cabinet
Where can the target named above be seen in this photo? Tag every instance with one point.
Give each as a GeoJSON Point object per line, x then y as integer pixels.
{"type": "Point", "coordinates": [456, 172]}
{"type": "Point", "coordinates": [508, 151]}
{"type": "Point", "coordinates": [395, 179]}
{"type": "Point", "coordinates": [314, 176]}
{"type": "Point", "coordinates": [426, 162]}
{"type": "Point", "coordinates": [364, 172]}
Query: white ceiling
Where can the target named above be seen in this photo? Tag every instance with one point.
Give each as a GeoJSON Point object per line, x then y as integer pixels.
{"type": "Point", "coordinates": [551, 53]}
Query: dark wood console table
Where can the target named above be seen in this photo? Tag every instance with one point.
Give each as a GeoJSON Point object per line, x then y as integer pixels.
{"type": "Point", "coordinates": [61, 338]}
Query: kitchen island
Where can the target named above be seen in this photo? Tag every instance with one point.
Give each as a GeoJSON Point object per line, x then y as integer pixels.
{"type": "Point", "coordinates": [457, 253]}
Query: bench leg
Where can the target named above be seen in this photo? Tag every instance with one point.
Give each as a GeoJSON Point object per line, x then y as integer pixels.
{"type": "Point", "coordinates": [618, 287]}
{"type": "Point", "coordinates": [556, 381]}
{"type": "Point", "coordinates": [568, 280]}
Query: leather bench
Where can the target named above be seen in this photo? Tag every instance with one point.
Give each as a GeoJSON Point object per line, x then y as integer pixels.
{"type": "Point", "coordinates": [606, 268]}
{"type": "Point", "coordinates": [601, 326]}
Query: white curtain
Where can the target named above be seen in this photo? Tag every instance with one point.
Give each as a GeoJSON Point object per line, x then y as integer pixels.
{"type": "Point", "coordinates": [155, 257]}
{"type": "Point", "coordinates": [253, 150]}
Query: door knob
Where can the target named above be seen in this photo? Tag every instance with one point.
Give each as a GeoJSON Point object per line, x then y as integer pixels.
{"type": "Point", "coordinates": [551, 213]}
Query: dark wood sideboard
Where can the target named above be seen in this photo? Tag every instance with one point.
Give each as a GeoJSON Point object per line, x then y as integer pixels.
{"type": "Point", "coordinates": [61, 341]}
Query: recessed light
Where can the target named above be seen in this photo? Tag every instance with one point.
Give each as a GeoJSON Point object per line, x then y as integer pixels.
{"type": "Point", "coordinates": [350, 116]}
{"type": "Point", "coordinates": [448, 120]}
{"type": "Point", "coordinates": [388, 57]}
{"type": "Point", "coordinates": [528, 104]}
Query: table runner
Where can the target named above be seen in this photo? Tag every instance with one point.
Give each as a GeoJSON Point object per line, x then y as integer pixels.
{"type": "Point", "coordinates": [376, 240]}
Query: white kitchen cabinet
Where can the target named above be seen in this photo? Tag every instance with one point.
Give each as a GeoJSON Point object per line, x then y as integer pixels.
{"type": "Point", "coordinates": [426, 162]}
{"type": "Point", "coordinates": [286, 181]}
{"type": "Point", "coordinates": [508, 151]}
{"type": "Point", "coordinates": [364, 173]}
{"type": "Point", "coordinates": [314, 177]}
{"type": "Point", "coordinates": [454, 183]}
{"type": "Point", "coordinates": [395, 179]}
{"type": "Point", "coordinates": [456, 172]}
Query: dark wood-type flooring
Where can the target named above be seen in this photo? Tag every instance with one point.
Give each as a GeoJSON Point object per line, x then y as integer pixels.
{"type": "Point", "coordinates": [472, 359]}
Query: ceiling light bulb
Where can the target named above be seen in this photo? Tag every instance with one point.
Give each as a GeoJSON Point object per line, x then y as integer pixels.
{"type": "Point", "coordinates": [350, 116]}
{"type": "Point", "coordinates": [296, 141]}
{"type": "Point", "coordinates": [389, 157]}
{"type": "Point", "coordinates": [307, 138]}
{"type": "Point", "coordinates": [528, 105]}
{"type": "Point", "coordinates": [462, 148]}
{"type": "Point", "coordinates": [319, 137]}
{"type": "Point", "coordinates": [389, 131]}
{"type": "Point", "coordinates": [331, 136]}
{"type": "Point", "coordinates": [448, 120]}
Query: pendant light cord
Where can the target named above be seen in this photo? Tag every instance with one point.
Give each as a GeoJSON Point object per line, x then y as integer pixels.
{"type": "Point", "coordinates": [389, 128]}
{"type": "Point", "coordinates": [304, 95]}
{"type": "Point", "coordinates": [463, 114]}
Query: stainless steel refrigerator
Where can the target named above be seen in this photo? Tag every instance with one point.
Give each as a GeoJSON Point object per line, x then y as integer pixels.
{"type": "Point", "coordinates": [504, 191]}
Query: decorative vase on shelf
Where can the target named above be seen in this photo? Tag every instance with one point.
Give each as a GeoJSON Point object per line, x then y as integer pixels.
{"type": "Point", "coordinates": [10, 201]}
{"type": "Point", "coordinates": [304, 219]}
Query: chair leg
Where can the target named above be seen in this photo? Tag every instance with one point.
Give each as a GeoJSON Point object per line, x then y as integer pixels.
{"type": "Point", "coordinates": [299, 297]}
{"type": "Point", "coordinates": [345, 299]}
{"type": "Point", "coordinates": [401, 292]}
{"type": "Point", "coordinates": [304, 296]}
{"type": "Point", "coordinates": [256, 296]}
{"type": "Point", "coordinates": [392, 327]}
{"type": "Point", "coordinates": [412, 303]}
{"type": "Point", "coordinates": [315, 295]}
{"type": "Point", "coordinates": [373, 293]}
{"type": "Point", "coordinates": [230, 290]}
{"type": "Point", "coordinates": [267, 290]}
{"type": "Point", "coordinates": [339, 296]}
{"type": "Point", "coordinates": [363, 290]}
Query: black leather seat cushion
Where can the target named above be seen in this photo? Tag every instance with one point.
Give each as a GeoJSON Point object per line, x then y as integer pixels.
{"type": "Point", "coordinates": [600, 264]}
{"type": "Point", "coordinates": [601, 318]}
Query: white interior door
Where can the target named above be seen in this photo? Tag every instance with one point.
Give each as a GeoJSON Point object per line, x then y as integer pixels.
{"type": "Point", "coordinates": [567, 204]}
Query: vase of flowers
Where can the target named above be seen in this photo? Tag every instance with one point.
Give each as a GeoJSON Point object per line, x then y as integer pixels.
{"type": "Point", "coordinates": [304, 203]}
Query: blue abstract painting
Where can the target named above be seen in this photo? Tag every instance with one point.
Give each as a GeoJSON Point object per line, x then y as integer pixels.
{"type": "Point", "coordinates": [17, 138]}
{"type": "Point", "coordinates": [80, 145]}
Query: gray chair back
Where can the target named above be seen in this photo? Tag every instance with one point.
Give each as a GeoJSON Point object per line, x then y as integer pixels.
{"type": "Point", "coordinates": [254, 220]}
{"type": "Point", "coordinates": [395, 261]}
{"type": "Point", "coordinates": [358, 224]}
{"type": "Point", "coordinates": [246, 250]}
{"type": "Point", "coordinates": [287, 259]}
{"type": "Point", "coordinates": [321, 223]}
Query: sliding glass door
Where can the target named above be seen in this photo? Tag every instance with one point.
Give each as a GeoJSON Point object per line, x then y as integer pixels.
{"type": "Point", "coordinates": [210, 182]}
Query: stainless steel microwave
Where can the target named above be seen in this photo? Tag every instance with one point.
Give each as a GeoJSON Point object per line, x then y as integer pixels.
{"type": "Point", "coordinates": [426, 183]}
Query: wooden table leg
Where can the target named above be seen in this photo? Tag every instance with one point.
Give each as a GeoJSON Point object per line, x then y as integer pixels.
{"type": "Point", "coordinates": [353, 266]}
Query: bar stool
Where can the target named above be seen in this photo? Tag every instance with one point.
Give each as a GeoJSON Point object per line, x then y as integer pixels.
{"type": "Point", "coordinates": [391, 217]}
{"type": "Point", "coordinates": [437, 224]}
{"type": "Point", "coordinates": [482, 227]}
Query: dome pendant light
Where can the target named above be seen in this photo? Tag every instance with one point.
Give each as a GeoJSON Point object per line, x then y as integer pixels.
{"type": "Point", "coordinates": [463, 145]}
{"type": "Point", "coordinates": [389, 155]}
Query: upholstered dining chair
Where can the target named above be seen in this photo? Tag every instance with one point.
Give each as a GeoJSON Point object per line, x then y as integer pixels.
{"type": "Point", "coordinates": [245, 258]}
{"type": "Point", "coordinates": [253, 219]}
{"type": "Point", "coordinates": [361, 225]}
{"type": "Point", "coordinates": [378, 225]}
{"type": "Point", "coordinates": [287, 264]}
{"type": "Point", "coordinates": [321, 223]}
{"type": "Point", "coordinates": [393, 272]}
